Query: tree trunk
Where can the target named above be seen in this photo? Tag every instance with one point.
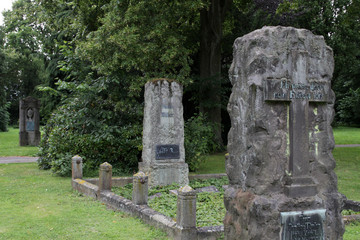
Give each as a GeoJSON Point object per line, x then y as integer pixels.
{"type": "Point", "coordinates": [210, 62]}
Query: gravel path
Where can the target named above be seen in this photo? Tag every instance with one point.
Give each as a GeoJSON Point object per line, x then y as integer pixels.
{"type": "Point", "coordinates": [348, 145]}
{"type": "Point", "coordinates": [17, 159]}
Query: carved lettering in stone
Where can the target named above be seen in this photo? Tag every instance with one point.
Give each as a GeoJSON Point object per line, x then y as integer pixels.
{"type": "Point", "coordinates": [298, 91]}
{"type": "Point", "coordinates": [284, 90]}
{"type": "Point", "coordinates": [167, 115]}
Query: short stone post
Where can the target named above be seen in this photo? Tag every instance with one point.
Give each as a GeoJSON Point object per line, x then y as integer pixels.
{"type": "Point", "coordinates": [140, 189]}
{"type": "Point", "coordinates": [105, 176]}
{"type": "Point", "coordinates": [76, 166]}
{"type": "Point", "coordinates": [186, 213]}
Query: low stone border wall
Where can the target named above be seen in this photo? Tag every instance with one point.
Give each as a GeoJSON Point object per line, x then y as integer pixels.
{"type": "Point", "coordinates": [183, 228]}
{"type": "Point", "coordinates": [122, 181]}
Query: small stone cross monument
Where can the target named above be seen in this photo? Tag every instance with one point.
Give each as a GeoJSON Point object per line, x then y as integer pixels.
{"type": "Point", "coordinates": [163, 154]}
{"type": "Point", "coordinates": [298, 91]}
{"type": "Point", "coordinates": [280, 165]}
{"type": "Point", "coordinates": [29, 122]}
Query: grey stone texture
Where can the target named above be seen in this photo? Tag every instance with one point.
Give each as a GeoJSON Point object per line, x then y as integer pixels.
{"type": "Point", "coordinates": [186, 212]}
{"type": "Point", "coordinates": [76, 167]}
{"type": "Point", "coordinates": [29, 122]}
{"type": "Point", "coordinates": [142, 211]}
{"type": "Point", "coordinates": [163, 127]}
{"type": "Point", "coordinates": [280, 141]}
{"type": "Point", "coordinates": [105, 177]}
{"type": "Point", "coordinates": [140, 189]}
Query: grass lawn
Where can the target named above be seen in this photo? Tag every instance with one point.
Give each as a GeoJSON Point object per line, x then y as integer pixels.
{"type": "Point", "coordinates": [9, 145]}
{"type": "Point", "coordinates": [37, 205]}
{"type": "Point", "coordinates": [347, 135]}
{"type": "Point", "coordinates": [212, 164]}
{"type": "Point", "coordinates": [348, 173]}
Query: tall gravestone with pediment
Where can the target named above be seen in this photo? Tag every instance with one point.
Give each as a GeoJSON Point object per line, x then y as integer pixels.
{"type": "Point", "coordinates": [29, 122]}
{"type": "Point", "coordinates": [163, 154]}
{"type": "Point", "coordinates": [280, 163]}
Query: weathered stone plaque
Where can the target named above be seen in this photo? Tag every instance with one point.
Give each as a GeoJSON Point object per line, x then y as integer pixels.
{"type": "Point", "coordinates": [306, 225]}
{"type": "Point", "coordinates": [280, 162]}
{"type": "Point", "coordinates": [163, 154]}
{"type": "Point", "coordinates": [169, 151]}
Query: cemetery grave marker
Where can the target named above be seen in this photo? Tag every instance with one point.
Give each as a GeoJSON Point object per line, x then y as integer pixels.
{"type": "Point", "coordinates": [29, 122]}
{"type": "Point", "coordinates": [280, 165]}
{"type": "Point", "coordinates": [163, 155]}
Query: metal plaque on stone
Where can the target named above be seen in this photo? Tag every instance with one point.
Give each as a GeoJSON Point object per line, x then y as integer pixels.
{"type": "Point", "coordinates": [30, 126]}
{"type": "Point", "coordinates": [168, 151]}
{"type": "Point", "coordinates": [302, 225]}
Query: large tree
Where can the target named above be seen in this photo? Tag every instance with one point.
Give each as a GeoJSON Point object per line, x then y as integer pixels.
{"type": "Point", "coordinates": [211, 35]}
{"type": "Point", "coordinates": [339, 22]}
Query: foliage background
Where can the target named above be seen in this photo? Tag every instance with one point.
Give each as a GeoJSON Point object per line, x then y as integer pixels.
{"type": "Point", "coordinates": [88, 61]}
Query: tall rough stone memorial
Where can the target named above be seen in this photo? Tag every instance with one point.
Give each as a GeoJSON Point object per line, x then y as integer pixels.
{"type": "Point", "coordinates": [29, 122]}
{"type": "Point", "coordinates": [280, 163]}
{"type": "Point", "coordinates": [163, 154]}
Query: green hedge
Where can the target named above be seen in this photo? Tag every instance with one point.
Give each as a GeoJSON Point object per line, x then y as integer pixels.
{"type": "Point", "coordinates": [4, 118]}
{"type": "Point", "coordinates": [199, 140]}
{"type": "Point", "coordinates": [97, 130]}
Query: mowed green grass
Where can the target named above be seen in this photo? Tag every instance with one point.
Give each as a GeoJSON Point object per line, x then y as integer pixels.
{"type": "Point", "coordinates": [38, 205]}
{"type": "Point", "coordinates": [346, 135]}
{"type": "Point", "coordinates": [9, 145]}
{"type": "Point", "coordinates": [34, 204]}
{"type": "Point", "coordinates": [348, 173]}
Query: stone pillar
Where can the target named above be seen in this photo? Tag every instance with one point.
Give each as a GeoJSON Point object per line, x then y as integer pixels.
{"type": "Point", "coordinates": [76, 166]}
{"type": "Point", "coordinates": [186, 208]}
{"type": "Point", "coordinates": [105, 176]}
{"type": "Point", "coordinates": [282, 183]}
{"type": "Point", "coordinates": [29, 122]}
{"type": "Point", "coordinates": [140, 189]}
{"type": "Point", "coordinates": [163, 154]}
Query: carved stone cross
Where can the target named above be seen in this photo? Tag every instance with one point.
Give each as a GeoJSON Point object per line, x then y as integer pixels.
{"type": "Point", "coordinates": [298, 92]}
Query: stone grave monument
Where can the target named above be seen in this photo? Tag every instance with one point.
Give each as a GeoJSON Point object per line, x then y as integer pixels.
{"type": "Point", "coordinates": [29, 122]}
{"type": "Point", "coordinates": [280, 165]}
{"type": "Point", "coordinates": [163, 154]}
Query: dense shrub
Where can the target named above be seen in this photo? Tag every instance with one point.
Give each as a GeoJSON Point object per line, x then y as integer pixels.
{"type": "Point", "coordinates": [97, 129]}
{"type": "Point", "coordinates": [4, 118]}
{"type": "Point", "coordinates": [199, 140]}
{"type": "Point", "coordinates": [348, 110]}
{"type": "Point", "coordinates": [100, 129]}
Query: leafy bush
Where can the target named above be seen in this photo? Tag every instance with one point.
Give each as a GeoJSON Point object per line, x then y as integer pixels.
{"type": "Point", "coordinates": [96, 128]}
{"type": "Point", "coordinates": [4, 118]}
{"type": "Point", "coordinates": [348, 110]}
{"type": "Point", "coordinates": [199, 140]}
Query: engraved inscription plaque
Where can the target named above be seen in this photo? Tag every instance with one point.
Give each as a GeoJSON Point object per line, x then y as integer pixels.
{"type": "Point", "coordinates": [169, 151]}
{"type": "Point", "coordinates": [285, 90]}
{"type": "Point", "coordinates": [306, 225]}
{"type": "Point", "coordinates": [30, 126]}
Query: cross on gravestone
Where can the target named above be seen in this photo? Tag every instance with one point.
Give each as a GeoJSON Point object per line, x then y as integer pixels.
{"type": "Point", "coordinates": [298, 91]}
